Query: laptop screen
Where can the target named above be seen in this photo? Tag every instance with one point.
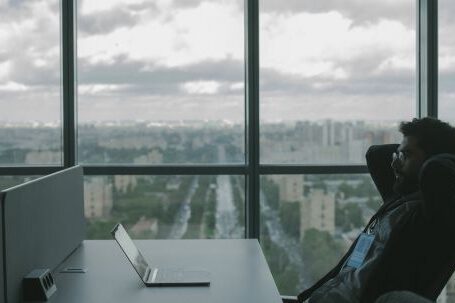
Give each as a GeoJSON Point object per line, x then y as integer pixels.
{"type": "Point", "coordinates": [129, 248]}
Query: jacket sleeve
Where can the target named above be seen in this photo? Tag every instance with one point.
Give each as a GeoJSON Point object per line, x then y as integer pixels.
{"type": "Point", "coordinates": [379, 158]}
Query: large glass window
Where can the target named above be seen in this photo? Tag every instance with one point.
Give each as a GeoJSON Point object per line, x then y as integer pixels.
{"type": "Point", "coordinates": [446, 61]}
{"type": "Point", "coordinates": [308, 223]}
{"type": "Point", "coordinates": [166, 207]}
{"type": "Point", "coordinates": [335, 78]}
{"type": "Point", "coordinates": [30, 115]}
{"type": "Point", "coordinates": [161, 88]}
{"type": "Point", "coordinates": [161, 81]}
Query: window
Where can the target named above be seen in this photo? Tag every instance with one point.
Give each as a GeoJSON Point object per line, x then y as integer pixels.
{"type": "Point", "coordinates": [335, 78]}
{"type": "Point", "coordinates": [446, 62]}
{"type": "Point", "coordinates": [161, 82]}
{"type": "Point", "coordinates": [215, 118]}
{"type": "Point", "coordinates": [166, 207]}
{"type": "Point", "coordinates": [301, 240]}
{"type": "Point", "coordinates": [30, 116]}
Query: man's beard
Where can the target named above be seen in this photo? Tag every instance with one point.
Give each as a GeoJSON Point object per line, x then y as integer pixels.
{"type": "Point", "coordinates": [405, 185]}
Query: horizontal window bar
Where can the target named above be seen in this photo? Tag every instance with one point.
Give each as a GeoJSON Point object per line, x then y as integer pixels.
{"type": "Point", "coordinates": [29, 170]}
{"type": "Point", "coordinates": [166, 170]}
{"type": "Point", "coordinates": [312, 169]}
{"type": "Point", "coordinates": [190, 169]}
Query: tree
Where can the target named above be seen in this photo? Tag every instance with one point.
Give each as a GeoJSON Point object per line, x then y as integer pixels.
{"type": "Point", "coordinates": [271, 191]}
{"type": "Point", "coordinates": [348, 216]}
{"type": "Point", "coordinates": [290, 218]}
{"type": "Point", "coordinates": [320, 253]}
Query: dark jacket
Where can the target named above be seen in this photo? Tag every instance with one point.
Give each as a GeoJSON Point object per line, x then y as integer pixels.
{"type": "Point", "coordinates": [414, 247]}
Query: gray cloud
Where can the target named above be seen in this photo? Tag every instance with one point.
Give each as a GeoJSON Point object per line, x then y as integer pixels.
{"type": "Point", "coordinates": [447, 82]}
{"type": "Point", "coordinates": [446, 11]}
{"type": "Point", "coordinates": [195, 3]}
{"type": "Point", "coordinates": [33, 42]}
{"type": "Point", "coordinates": [357, 10]}
{"type": "Point", "coordinates": [393, 83]}
{"type": "Point", "coordinates": [125, 15]}
{"type": "Point", "coordinates": [157, 79]}
{"type": "Point", "coordinates": [150, 87]}
{"type": "Point", "coordinates": [106, 21]}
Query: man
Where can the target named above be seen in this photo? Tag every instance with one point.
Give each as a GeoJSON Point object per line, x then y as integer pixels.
{"type": "Point", "coordinates": [409, 244]}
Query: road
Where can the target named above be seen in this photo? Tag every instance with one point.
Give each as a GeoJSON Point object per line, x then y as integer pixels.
{"type": "Point", "coordinates": [291, 246]}
{"type": "Point", "coordinates": [226, 225]}
{"type": "Point", "coordinates": [226, 214]}
{"type": "Point", "coordinates": [184, 213]}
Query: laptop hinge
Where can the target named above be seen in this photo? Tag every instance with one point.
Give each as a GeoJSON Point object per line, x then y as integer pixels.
{"type": "Point", "coordinates": [155, 272]}
{"type": "Point", "coordinates": [147, 274]}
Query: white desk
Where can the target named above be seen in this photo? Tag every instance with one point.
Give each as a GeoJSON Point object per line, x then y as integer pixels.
{"type": "Point", "coordinates": [239, 273]}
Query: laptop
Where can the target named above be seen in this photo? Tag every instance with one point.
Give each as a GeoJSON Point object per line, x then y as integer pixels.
{"type": "Point", "coordinates": [156, 276]}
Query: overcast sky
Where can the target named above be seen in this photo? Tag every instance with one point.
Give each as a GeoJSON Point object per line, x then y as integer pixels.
{"type": "Point", "coordinates": [173, 60]}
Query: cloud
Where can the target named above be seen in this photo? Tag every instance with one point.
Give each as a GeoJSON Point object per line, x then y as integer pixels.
{"type": "Point", "coordinates": [209, 31]}
{"type": "Point", "coordinates": [169, 59]}
{"type": "Point", "coordinates": [360, 11]}
{"type": "Point", "coordinates": [26, 105]}
{"type": "Point", "coordinates": [158, 80]}
{"type": "Point", "coordinates": [291, 45]}
{"type": "Point", "coordinates": [98, 89]}
{"type": "Point", "coordinates": [335, 106]}
{"type": "Point", "coordinates": [30, 39]}
{"type": "Point", "coordinates": [13, 87]}
{"type": "Point", "coordinates": [4, 69]}
{"type": "Point", "coordinates": [162, 108]}
{"type": "Point", "coordinates": [104, 22]}
{"type": "Point", "coordinates": [201, 87]}
{"type": "Point", "coordinates": [87, 7]}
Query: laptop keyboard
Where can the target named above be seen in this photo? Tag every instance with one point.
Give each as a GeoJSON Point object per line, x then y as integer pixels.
{"type": "Point", "coordinates": [169, 276]}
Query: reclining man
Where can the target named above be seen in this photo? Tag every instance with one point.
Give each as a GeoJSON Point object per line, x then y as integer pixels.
{"type": "Point", "coordinates": [409, 244]}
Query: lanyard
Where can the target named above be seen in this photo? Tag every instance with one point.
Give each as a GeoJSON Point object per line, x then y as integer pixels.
{"type": "Point", "coordinates": [384, 209]}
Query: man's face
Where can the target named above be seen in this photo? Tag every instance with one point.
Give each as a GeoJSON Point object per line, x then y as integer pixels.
{"type": "Point", "coordinates": [407, 166]}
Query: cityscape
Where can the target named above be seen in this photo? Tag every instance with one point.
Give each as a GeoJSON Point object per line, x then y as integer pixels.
{"type": "Point", "coordinates": [307, 221]}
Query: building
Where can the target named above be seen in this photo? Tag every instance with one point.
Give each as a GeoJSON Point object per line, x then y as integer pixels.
{"type": "Point", "coordinates": [125, 183]}
{"type": "Point", "coordinates": [317, 210]}
{"type": "Point", "coordinates": [290, 188]}
{"type": "Point", "coordinates": [98, 200]}
{"type": "Point", "coordinates": [145, 227]}
{"type": "Point", "coordinates": [450, 290]}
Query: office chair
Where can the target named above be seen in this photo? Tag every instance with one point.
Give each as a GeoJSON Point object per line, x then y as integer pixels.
{"type": "Point", "coordinates": [401, 297]}
{"type": "Point", "coordinates": [437, 184]}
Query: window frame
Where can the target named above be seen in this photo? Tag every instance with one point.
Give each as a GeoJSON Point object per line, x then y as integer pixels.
{"type": "Point", "coordinates": [252, 169]}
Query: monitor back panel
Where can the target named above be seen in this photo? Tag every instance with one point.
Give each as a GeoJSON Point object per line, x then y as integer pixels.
{"type": "Point", "coordinates": [43, 222]}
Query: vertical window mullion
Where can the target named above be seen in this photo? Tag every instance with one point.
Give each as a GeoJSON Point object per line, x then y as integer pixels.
{"type": "Point", "coordinates": [68, 29]}
{"type": "Point", "coordinates": [427, 58]}
{"type": "Point", "coordinates": [252, 117]}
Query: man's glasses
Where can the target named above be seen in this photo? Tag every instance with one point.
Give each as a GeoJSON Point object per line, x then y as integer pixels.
{"type": "Point", "coordinates": [398, 156]}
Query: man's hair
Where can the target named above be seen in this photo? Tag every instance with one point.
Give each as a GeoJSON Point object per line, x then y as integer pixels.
{"type": "Point", "coordinates": [433, 135]}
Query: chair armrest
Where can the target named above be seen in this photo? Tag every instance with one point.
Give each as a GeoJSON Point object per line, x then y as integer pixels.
{"type": "Point", "coordinates": [289, 299]}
